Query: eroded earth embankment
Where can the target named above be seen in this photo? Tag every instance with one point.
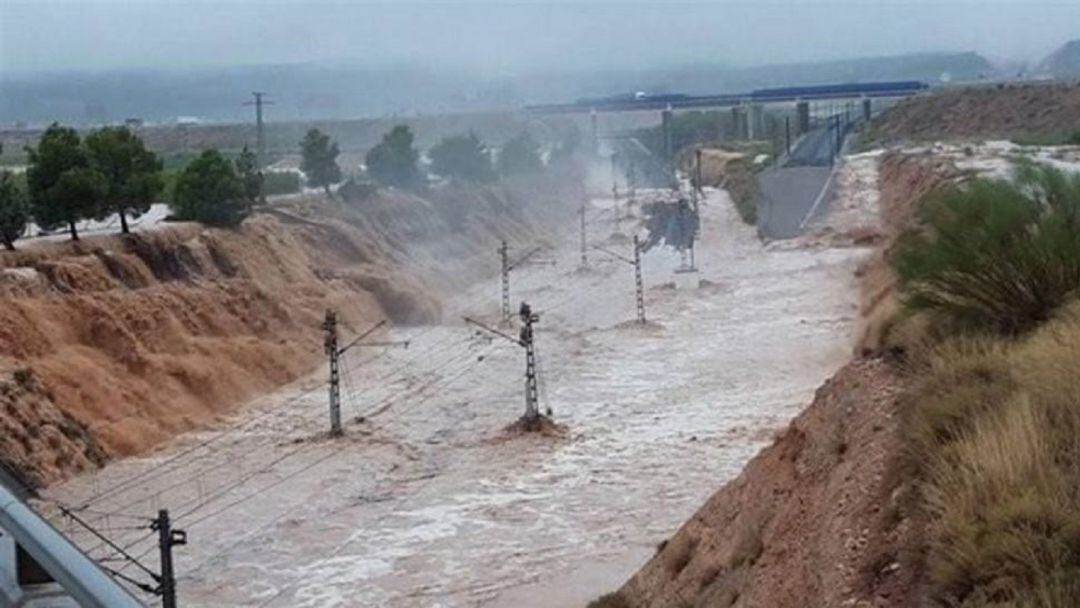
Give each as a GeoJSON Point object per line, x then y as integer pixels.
{"type": "Point", "coordinates": [111, 345]}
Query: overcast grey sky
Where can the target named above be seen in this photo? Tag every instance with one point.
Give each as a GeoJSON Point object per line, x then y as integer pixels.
{"type": "Point", "coordinates": [513, 37]}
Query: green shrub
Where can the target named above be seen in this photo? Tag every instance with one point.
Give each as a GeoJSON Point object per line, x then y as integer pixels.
{"type": "Point", "coordinates": [996, 255]}
{"type": "Point", "coordinates": [742, 185]}
{"type": "Point", "coordinates": [210, 191]}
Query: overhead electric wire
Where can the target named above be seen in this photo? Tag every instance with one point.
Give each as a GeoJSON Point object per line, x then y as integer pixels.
{"type": "Point", "coordinates": [120, 550]}
{"type": "Point", "coordinates": [304, 418]}
{"type": "Point", "coordinates": [123, 484]}
{"type": "Point", "coordinates": [176, 461]}
{"type": "Point", "coordinates": [226, 489]}
{"type": "Point", "coordinates": [145, 587]}
{"type": "Point", "coordinates": [97, 497]}
{"type": "Point", "coordinates": [414, 393]}
{"type": "Point", "coordinates": [262, 490]}
{"type": "Point", "coordinates": [444, 381]}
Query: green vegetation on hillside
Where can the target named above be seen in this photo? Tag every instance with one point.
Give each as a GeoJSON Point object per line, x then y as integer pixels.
{"type": "Point", "coordinates": [520, 156]}
{"type": "Point", "coordinates": [991, 417]}
{"type": "Point", "coordinates": [997, 255]}
{"type": "Point", "coordinates": [319, 160]}
{"type": "Point", "coordinates": [463, 157]}
{"type": "Point", "coordinates": [14, 213]}
{"type": "Point", "coordinates": [62, 185]}
{"type": "Point", "coordinates": [211, 191]}
{"type": "Point", "coordinates": [132, 173]}
{"type": "Point", "coordinates": [393, 161]}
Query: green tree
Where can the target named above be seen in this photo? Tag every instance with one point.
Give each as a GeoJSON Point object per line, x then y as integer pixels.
{"type": "Point", "coordinates": [463, 157]}
{"type": "Point", "coordinates": [250, 176]}
{"type": "Point", "coordinates": [319, 160]}
{"type": "Point", "coordinates": [132, 173]}
{"type": "Point", "coordinates": [520, 155]}
{"type": "Point", "coordinates": [210, 191]}
{"type": "Point", "coordinates": [13, 210]}
{"type": "Point", "coordinates": [392, 162]}
{"type": "Point", "coordinates": [62, 186]}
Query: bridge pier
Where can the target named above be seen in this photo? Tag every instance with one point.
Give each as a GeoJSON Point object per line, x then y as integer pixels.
{"type": "Point", "coordinates": [756, 126]}
{"type": "Point", "coordinates": [802, 110]}
{"type": "Point", "coordinates": [866, 113]}
{"type": "Point", "coordinates": [740, 123]}
{"type": "Point", "coordinates": [665, 128]}
{"type": "Point", "coordinates": [595, 132]}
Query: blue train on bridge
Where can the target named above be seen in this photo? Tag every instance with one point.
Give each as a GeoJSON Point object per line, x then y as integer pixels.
{"type": "Point", "coordinates": [648, 101]}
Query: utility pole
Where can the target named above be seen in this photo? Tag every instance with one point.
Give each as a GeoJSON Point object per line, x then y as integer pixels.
{"type": "Point", "coordinates": [639, 283]}
{"type": "Point", "coordinates": [260, 135]}
{"type": "Point", "coordinates": [504, 260]}
{"type": "Point", "coordinates": [584, 244]}
{"type": "Point", "coordinates": [615, 195]}
{"type": "Point", "coordinates": [334, 354]}
{"type": "Point", "coordinates": [695, 184]}
{"type": "Point", "coordinates": [839, 137]}
{"type": "Point", "coordinates": [614, 179]}
{"type": "Point", "coordinates": [787, 135]}
{"type": "Point", "coordinates": [506, 267]}
{"type": "Point", "coordinates": [332, 351]}
{"type": "Point", "coordinates": [167, 539]}
{"type": "Point", "coordinates": [595, 132]}
{"type": "Point", "coordinates": [699, 186]}
{"type": "Point", "coordinates": [526, 340]}
{"type": "Point", "coordinates": [532, 393]}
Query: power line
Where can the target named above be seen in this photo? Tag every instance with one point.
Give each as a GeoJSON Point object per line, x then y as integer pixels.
{"type": "Point", "coordinates": [120, 550]}
{"type": "Point", "coordinates": [126, 483]}
{"type": "Point", "coordinates": [308, 418]}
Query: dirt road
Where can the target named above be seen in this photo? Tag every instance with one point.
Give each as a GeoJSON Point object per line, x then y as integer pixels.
{"type": "Point", "coordinates": [425, 502]}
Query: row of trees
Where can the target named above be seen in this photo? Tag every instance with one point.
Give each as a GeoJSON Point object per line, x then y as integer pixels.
{"type": "Point", "coordinates": [70, 179]}
{"type": "Point", "coordinates": [395, 161]}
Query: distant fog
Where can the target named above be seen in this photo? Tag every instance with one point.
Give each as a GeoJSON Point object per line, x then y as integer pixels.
{"type": "Point", "coordinates": [92, 61]}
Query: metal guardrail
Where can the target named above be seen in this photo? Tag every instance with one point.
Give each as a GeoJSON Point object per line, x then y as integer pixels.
{"type": "Point", "coordinates": [76, 572]}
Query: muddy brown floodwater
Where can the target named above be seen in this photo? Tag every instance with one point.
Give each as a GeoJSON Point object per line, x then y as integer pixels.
{"type": "Point", "coordinates": [425, 502]}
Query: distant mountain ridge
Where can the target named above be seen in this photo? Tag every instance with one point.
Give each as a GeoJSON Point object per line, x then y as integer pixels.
{"type": "Point", "coordinates": [1064, 62]}
{"type": "Point", "coordinates": [313, 91]}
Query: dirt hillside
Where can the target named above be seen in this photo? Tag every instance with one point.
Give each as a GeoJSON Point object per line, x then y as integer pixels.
{"type": "Point", "coordinates": [111, 345]}
{"type": "Point", "coordinates": [998, 112]}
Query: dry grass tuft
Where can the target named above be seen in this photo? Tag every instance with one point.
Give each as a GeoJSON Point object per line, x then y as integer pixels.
{"type": "Point", "coordinates": [994, 428]}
